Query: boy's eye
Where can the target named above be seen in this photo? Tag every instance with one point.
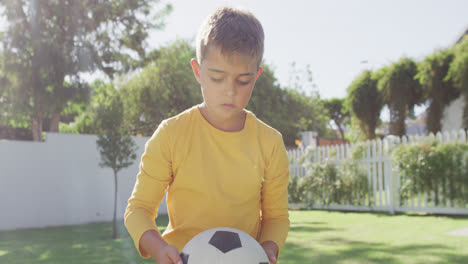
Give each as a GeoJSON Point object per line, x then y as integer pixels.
{"type": "Point", "coordinates": [216, 79]}
{"type": "Point", "coordinates": [244, 82]}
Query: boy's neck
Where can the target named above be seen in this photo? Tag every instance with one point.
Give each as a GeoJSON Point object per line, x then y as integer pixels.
{"type": "Point", "coordinates": [234, 124]}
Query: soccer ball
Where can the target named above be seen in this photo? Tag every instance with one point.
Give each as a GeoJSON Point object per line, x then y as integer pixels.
{"type": "Point", "coordinates": [223, 245]}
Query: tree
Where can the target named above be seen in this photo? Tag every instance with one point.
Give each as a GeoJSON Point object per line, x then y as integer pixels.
{"type": "Point", "coordinates": [161, 90]}
{"type": "Point", "coordinates": [365, 102]}
{"type": "Point", "coordinates": [289, 110]}
{"type": "Point", "coordinates": [115, 145]}
{"type": "Point", "coordinates": [305, 102]}
{"type": "Point", "coordinates": [13, 123]}
{"type": "Point", "coordinates": [87, 121]}
{"type": "Point", "coordinates": [301, 80]}
{"type": "Point", "coordinates": [401, 92]}
{"type": "Point", "coordinates": [458, 72]}
{"type": "Point", "coordinates": [338, 112]}
{"type": "Point", "coordinates": [270, 104]}
{"type": "Point", "coordinates": [166, 87]}
{"type": "Point", "coordinates": [49, 43]}
{"type": "Point", "coordinates": [306, 112]}
{"type": "Point", "coordinates": [438, 89]}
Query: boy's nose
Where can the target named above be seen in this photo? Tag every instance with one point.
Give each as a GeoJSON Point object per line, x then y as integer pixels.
{"type": "Point", "coordinates": [230, 89]}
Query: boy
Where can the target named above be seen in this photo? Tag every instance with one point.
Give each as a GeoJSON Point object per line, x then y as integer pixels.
{"type": "Point", "coordinates": [221, 166]}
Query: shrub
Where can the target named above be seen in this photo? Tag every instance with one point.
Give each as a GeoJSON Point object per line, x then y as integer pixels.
{"type": "Point", "coordinates": [331, 182]}
{"type": "Point", "coordinates": [296, 190]}
{"type": "Point", "coordinates": [434, 169]}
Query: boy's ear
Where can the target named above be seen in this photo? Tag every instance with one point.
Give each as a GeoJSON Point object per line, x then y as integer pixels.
{"type": "Point", "coordinates": [260, 70]}
{"type": "Point", "coordinates": [196, 69]}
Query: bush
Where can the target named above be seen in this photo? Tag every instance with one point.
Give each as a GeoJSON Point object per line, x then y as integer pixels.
{"type": "Point", "coordinates": [296, 190]}
{"type": "Point", "coordinates": [433, 168]}
{"type": "Point", "coordinates": [330, 182]}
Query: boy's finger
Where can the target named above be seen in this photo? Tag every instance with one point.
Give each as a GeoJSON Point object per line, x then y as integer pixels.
{"type": "Point", "coordinates": [272, 259]}
{"type": "Point", "coordinates": [174, 256]}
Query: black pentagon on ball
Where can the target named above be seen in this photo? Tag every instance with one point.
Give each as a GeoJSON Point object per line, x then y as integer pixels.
{"type": "Point", "coordinates": [184, 257]}
{"type": "Point", "coordinates": [225, 241]}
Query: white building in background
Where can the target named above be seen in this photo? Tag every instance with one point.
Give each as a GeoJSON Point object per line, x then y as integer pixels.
{"type": "Point", "coordinates": [452, 118]}
{"type": "Point", "coordinates": [453, 115]}
{"type": "Point", "coordinates": [308, 138]}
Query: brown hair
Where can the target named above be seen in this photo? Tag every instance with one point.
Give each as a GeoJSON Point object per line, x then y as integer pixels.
{"type": "Point", "coordinates": [232, 30]}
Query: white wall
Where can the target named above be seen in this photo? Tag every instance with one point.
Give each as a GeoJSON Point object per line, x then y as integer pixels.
{"type": "Point", "coordinates": [59, 182]}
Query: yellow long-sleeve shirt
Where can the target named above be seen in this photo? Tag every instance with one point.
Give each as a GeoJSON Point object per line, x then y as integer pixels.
{"type": "Point", "coordinates": [213, 179]}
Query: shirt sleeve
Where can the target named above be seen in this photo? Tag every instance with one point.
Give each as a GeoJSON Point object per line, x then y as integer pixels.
{"type": "Point", "coordinates": [153, 178]}
{"type": "Point", "coordinates": [275, 216]}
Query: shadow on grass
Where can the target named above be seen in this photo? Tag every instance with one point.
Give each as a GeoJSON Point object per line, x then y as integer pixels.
{"type": "Point", "coordinates": [387, 214]}
{"type": "Point", "coordinates": [424, 215]}
{"type": "Point", "coordinates": [365, 252]}
{"type": "Point", "coordinates": [89, 244]}
{"type": "Point", "coordinates": [305, 228]}
{"type": "Point", "coordinates": [370, 253]}
{"type": "Point", "coordinates": [314, 248]}
{"type": "Point", "coordinates": [71, 244]}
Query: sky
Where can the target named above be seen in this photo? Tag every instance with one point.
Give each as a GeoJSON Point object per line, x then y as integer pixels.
{"type": "Point", "coordinates": [338, 39]}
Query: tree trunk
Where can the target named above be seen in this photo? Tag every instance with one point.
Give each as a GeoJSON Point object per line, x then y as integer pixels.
{"type": "Point", "coordinates": [35, 129]}
{"type": "Point", "coordinates": [54, 123]}
{"type": "Point", "coordinates": [370, 127]}
{"type": "Point", "coordinates": [115, 207]}
{"type": "Point", "coordinates": [37, 118]}
{"type": "Point", "coordinates": [55, 120]}
{"type": "Point", "coordinates": [36, 125]}
{"type": "Point", "coordinates": [401, 125]}
{"type": "Point", "coordinates": [434, 117]}
{"type": "Point", "coordinates": [397, 121]}
{"type": "Point", "coordinates": [371, 132]}
{"type": "Point", "coordinates": [340, 129]}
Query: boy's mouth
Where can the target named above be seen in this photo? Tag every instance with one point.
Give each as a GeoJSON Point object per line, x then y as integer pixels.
{"type": "Point", "coordinates": [228, 106]}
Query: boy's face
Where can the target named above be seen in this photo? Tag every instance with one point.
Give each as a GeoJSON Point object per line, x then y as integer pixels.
{"type": "Point", "coordinates": [226, 81]}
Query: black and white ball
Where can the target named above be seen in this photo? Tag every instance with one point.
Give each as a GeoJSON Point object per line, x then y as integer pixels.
{"type": "Point", "coordinates": [223, 245]}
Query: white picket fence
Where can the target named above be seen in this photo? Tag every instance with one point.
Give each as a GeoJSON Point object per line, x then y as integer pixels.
{"type": "Point", "coordinates": [383, 178]}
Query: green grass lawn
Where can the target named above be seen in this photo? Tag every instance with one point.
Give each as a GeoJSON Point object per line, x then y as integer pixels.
{"type": "Point", "coordinates": [315, 237]}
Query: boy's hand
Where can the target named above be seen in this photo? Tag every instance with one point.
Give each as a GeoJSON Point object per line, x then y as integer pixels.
{"type": "Point", "coordinates": [271, 249]}
{"type": "Point", "coordinates": [168, 255]}
{"type": "Point", "coordinates": [152, 243]}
